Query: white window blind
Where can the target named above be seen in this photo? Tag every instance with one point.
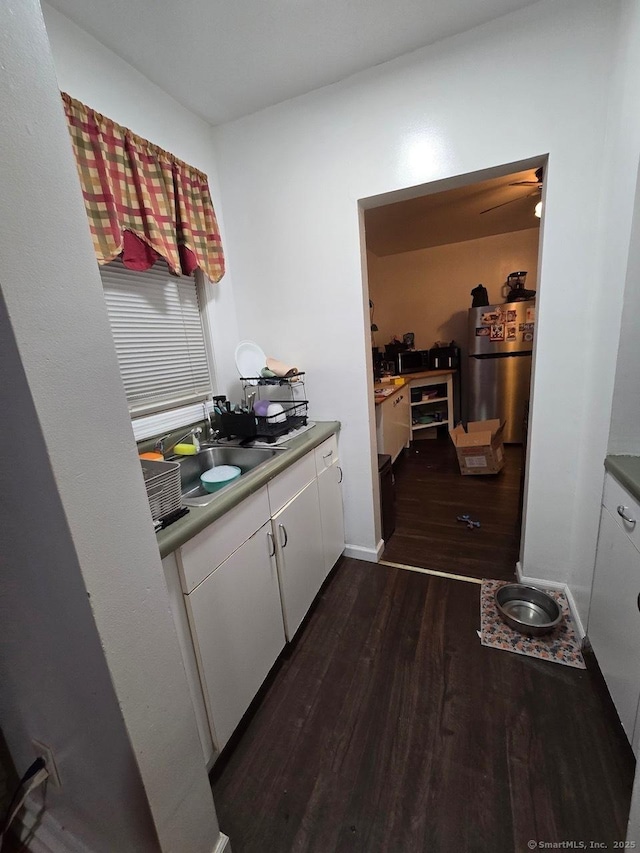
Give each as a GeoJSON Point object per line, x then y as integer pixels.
{"type": "Point", "coordinates": [157, 330]}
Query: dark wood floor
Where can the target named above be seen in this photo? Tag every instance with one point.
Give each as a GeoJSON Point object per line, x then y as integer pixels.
{"type": "Point", "coordinates": [431, 493]}
{"type": "Point", "coordinates": [390, 728]}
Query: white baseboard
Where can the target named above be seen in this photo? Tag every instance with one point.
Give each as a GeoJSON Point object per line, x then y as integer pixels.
{"type": "Point", "coordinates": [545, 584]}
{"type": "Point", "coordinates": [223, 845]}
{"type": "Point", "coordinates": [370, 555]}
{"type": "Point", "coordinates": [41, 833]}
{"type": "Point", "coordinates": [575, 615]}
{"type": "Point", "coordinates": [522, 578]}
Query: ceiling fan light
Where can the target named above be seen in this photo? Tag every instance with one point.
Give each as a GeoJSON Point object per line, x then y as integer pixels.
{"type": "Point", "coordinates": [538, 209]}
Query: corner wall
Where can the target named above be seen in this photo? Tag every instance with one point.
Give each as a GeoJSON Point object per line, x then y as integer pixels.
{"type": "Point", "coordinates": [624, 437]}
{"type": "Point", "coordinates": [291, 179]}
{"type": "Point", "coordinates": [89, 659]}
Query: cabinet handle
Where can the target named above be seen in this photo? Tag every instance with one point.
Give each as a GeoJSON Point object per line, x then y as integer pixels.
{"type": "Point", "coordinates": [639, 601]}
{"type": "Point", "coordinates": [327, 455]}
{"type": "Point", "coordinates": [286, 538]}
{"type": "Point", "coordinates": [623, 514]}
{"type": "Point", "coordinates": [272, 551]}
{"type": "Point", "coordinates": [340, 470]}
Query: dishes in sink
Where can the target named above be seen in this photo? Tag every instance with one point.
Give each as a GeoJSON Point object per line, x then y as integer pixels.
{"type": "Point", "coordinates": [216, 478]}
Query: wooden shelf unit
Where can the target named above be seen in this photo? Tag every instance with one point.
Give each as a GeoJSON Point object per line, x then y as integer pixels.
{"type": "Point", "coordinates": [423, 382]}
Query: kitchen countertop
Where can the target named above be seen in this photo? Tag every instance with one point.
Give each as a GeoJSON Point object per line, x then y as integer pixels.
{"type": "Point", "coordinates": [200, 517]}
{"type": "Point", "coordinates": [626, 470]}
{"type": "Point", "coordinates": [390, 387]}
{"type": "Point", "coordinates": [406, 379]}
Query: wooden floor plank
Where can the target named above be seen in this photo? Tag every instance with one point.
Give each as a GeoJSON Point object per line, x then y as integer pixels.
{"type": "Point", "coordinates": [388, 727]}
{"type": "Point", "coordinates": [431, 493]}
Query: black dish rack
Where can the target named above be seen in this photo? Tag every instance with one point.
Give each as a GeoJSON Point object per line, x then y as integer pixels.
{"type": "Point", "coordinates": [251, 426]}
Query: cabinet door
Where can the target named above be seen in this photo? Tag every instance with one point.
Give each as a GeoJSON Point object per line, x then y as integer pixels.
{"type": "Point", "coordinates": [301, 566]}
{"type": "Point", "coordinates": [185, 640]}
{"type": "Point", "coordinates": [401, 421]}
{"type": "Point", "coordinates": [614, 620]}
{"type": "Point", "coordinates": [331, 514]}
{"type": "Point", "coordinates": [236, 622]}
{"type": "Point", "coordinates": [394, 423]}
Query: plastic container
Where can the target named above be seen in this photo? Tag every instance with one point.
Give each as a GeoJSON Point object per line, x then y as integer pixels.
{"type": "Point", "coordinates": [218, 477]}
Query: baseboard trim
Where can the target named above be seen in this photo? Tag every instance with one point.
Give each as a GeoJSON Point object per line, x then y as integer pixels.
{"type": "Point", "coordinates": [223, 845]}
{"type": "Point", "coordinates": [522, 578]}
{"type": "Point", "coordinates": [38, 830]}
{"type": "Point", "coordinates": [545, 584]}
{"type": "Point", "coordinates": [359, 552]}
{"type": "Point", "coordinates": [41, 833]}
{"type": "Point", "coordinates": [575, 615]}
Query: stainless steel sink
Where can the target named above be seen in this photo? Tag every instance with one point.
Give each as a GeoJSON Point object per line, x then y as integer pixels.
{"type": "Point", "coordinates": [191, 467]}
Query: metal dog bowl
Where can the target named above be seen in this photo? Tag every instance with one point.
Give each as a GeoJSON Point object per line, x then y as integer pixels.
{"type": "Point", "coordinates": [527, 609]}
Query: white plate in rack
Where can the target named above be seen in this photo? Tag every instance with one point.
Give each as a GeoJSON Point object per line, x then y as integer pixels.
{"type": "Point", "coordinates": [250, 360]}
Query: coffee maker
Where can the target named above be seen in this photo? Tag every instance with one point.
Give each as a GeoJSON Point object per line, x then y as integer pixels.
{"type": "Point", "coordinates": [383, 364]}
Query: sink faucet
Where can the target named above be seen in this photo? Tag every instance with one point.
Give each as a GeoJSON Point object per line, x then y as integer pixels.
{"type": "Point", "coordinates": [194, 432]}
{"type": "Point", "coordinates": [212, 434]}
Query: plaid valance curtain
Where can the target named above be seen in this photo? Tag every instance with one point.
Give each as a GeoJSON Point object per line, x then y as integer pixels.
{"type": "Point", "coordinates": [142, 202]}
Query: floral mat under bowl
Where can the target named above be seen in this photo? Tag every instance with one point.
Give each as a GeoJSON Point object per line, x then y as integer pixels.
{"type": "Point", "coordinates": [562, 645]}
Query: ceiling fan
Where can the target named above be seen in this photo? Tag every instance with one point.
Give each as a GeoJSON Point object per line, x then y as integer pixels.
{"type": "Point", "coordinates": [538, 190]}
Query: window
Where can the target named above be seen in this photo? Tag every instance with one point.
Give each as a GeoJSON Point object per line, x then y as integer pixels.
{"type": "Point", "coordinates": [157, 325]}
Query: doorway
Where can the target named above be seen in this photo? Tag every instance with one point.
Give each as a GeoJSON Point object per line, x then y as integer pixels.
{"type": "Point", "coordinates": [427, 249]}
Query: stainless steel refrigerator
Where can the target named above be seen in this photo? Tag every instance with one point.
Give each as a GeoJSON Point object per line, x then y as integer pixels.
{"type": "Point", "coordinates": [500, 345]}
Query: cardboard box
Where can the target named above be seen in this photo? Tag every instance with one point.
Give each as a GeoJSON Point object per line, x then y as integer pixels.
{"type": "Point", "coordinates": [480, 449]}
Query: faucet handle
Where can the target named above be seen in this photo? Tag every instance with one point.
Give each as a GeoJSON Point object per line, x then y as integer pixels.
{"type": "Point", "coordinates": [159, 445]}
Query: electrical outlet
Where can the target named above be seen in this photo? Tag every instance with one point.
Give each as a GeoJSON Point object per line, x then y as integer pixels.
{"type": "Point", "coordinates": [47, 753]}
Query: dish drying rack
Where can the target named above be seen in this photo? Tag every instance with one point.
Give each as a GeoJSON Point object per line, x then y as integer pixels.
{"type": "Point", "coordinates": [162, 482]}
{"type": "Point", "coordinates": [288, 391]}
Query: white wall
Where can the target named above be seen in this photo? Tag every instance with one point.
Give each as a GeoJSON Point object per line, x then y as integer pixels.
{"type": "Point", "coordinates": [625, 421]}
{"type": "Point", "coordinates": [94, 75]}
{"type": "Point", "coordinates": [620, 217]}
{"type": "Point", "coordinates": [291, 177]}
{"type": "Point", "coordinates": [89, 660]}
{"type": "Point", "coordinates": [612, 205]}
{"type": "Point", "coordinates": [624, 437]}
{"type": "Point", "coordinates": [429, 291]}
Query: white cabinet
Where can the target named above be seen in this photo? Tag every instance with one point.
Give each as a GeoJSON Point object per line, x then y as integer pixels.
{"type": "Point", "coordinates": [393, 423]}
{"type": "Point", "coordinates": [614, 618]}
{"type": "Point", "coordinates": [181, 620]}
{"type": "Point", "coordinates": [300, 554]}
{"type": "Point", "coordinates": [330, 497]}
{"type": "Point", "coordinates": [201, 555]}
{"type": "Point", "coordinates": [236, 622]}
{"type": "Point", "coordinates": [247, 578]}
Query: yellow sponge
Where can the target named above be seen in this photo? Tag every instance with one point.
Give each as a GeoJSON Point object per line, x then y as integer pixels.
{"type": "Point", "coordinates": [185, 449]}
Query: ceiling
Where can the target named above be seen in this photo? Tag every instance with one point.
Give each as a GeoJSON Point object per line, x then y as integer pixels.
{"type": "Point", "coordinates": [453, 216]}
{"type": "Point", "coordinates": [227, 58]}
